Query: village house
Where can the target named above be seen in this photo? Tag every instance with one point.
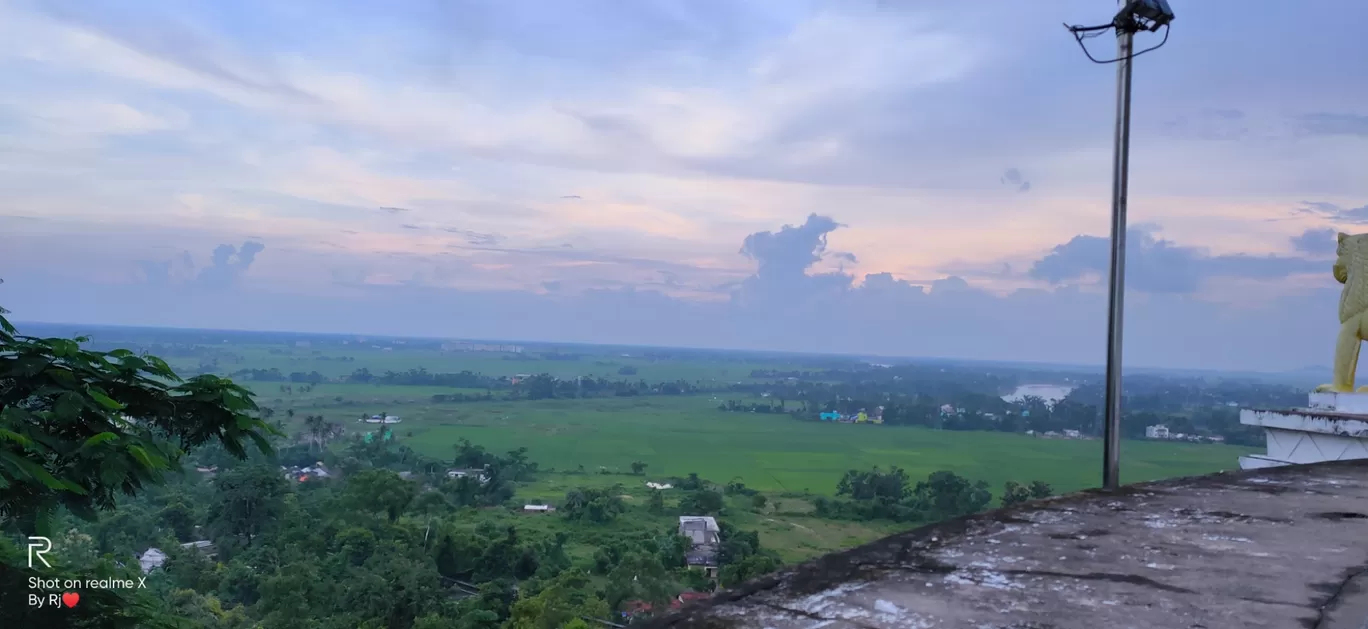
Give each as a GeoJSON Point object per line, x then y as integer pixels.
{"type": "Point", "coordinates": [151, 559]}
{"type": "Point", "coordinates": [538, 509]}
{"type": "Point", "coordinates": [302, 474]}
{"type": "Point", "coordinates": [205, 547]}
{"type": "Point", "coordinates": [704, 537]}
{"type": "Point", "coordinates": [480, 474]}
{"type": "Point", "coordinates": [637, 608]}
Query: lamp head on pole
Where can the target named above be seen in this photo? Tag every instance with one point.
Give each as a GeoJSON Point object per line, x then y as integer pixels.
{"type": "Point", "coordinates": [1135, 16]}
{"type": "Point", "coordinates": [1144, 15]}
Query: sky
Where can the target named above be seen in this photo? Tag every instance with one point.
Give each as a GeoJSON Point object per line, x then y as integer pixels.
{"type": "Point", "coordinates": [893, 177]}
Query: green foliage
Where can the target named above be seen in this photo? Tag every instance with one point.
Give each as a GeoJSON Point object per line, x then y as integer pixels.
{"type": "Point", "coordinates": [749, 568]}
{"type": "Point", "coordinates": [758, 502]}
{"type": "Point", "coordinates": [1013, 493]}
{"type": "Point", "coordinates": [247, 502]}
{"type": "Point", "coordinates": [638, 468]}
{"type": "Point", "coordinates": [382, 491]}
{"type": "Point", "coordinates": [594, 505]}
{"type": "Point", "coordinates": [702, 502]}
{"type": "Point", "coordinates": [561, 602]}
{"type": "Point", "coordinates": [656, 503]}
{"type": "Point", "coordinates": [887, 495]}
{"type": "Point", "coordinates": [79, 427]}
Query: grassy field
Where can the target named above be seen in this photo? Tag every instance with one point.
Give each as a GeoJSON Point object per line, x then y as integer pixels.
{"type": "Point", "coordinates": [576, 440]}
{"type": "Point", "coordinates": [780, 456]}
{"type": "Point", "coordinates": [678, 435]}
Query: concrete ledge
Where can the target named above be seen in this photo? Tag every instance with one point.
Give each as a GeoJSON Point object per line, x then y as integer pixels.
{"type": "Point", "coordinates": [1354, 403]}
{"type": "Point", "coordinates": [1259, 461]}
{"type": "Point", "coordinates": [1270, 548]}
{"type": "Point", "coordinates": [1306, 420]}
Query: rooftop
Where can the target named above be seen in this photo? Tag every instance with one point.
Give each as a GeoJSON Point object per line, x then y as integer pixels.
{"type": "Point", "coordinates": [1284, 547]}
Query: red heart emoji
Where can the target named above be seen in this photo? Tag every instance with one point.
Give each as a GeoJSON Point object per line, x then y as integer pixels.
{"type": "Point", "coordinates": [70, 599]}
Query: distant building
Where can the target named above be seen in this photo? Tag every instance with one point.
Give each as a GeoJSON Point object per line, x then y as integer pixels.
{"type": "Point", "coordinates": [151, 559]}
{"type": "Point", "coordinates": [466, 346]}
{"type": "Point", "coordinates": [538, 509]}
{"type": "Point", "coordinates": [1072, 434]}
{"type": "Point", "coordinates": [205, 547]}
{"type": "Point", "coordinates": [652, 485]}
{"type": "Point", "coordinates": [480, 474]}
{"type": "Point", "coordinates": [1157, 431]}
{"type": "Point", "coordinates": [705, 538]}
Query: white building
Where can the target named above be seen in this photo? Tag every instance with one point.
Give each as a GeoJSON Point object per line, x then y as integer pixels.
{"type": "Point", "coordinates": [538, 508]}
{"type": "Point", "coordinates": [1157, 431]}
{"type": "Point", "coordinates": [151, 559]}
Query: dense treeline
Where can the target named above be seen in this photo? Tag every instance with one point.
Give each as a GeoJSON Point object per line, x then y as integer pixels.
{"type": "Point", "coordinates": [890, 495]}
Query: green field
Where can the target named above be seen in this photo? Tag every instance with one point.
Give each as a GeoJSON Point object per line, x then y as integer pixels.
{"type": "Point", "coordinates": [593, 442]}
{"type": "Point", "coordinates": [678, 435]}
{"type": "Point", "coordinates": [780, 456]}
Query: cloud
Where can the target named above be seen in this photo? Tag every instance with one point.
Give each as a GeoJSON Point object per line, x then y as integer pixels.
{"type": "Point", "coordinates": [1014, 178]}
{"type": "Point", "coordinates": [1316, 242]}
{"type": "Point", "coordinates": [791, 251]}
{"type": "Point", "coordinates": [1154, 265]}
{"type": "Point", "coordinates": [229, 263]}
{"type": "Point", "coordinates": [1322, 123]}
{"type": "Point", "coordinates": [1355, 215]}
{"type": "Point", "coordinates": [394, 210]}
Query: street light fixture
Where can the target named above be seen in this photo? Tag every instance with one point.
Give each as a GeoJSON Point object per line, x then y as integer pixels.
{"type": "Point", "coordinates": [1135, 16]}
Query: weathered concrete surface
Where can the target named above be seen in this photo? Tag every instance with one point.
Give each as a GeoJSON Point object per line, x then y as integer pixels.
{"type": "Point", "coordinates": [1277, 548]}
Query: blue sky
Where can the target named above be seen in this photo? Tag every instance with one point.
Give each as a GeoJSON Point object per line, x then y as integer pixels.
{"type": "Point", "coordinates": [906, 177]}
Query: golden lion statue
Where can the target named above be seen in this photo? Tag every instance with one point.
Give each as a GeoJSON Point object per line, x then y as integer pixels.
{"type": "Point", "coordinates": [1351, 269]}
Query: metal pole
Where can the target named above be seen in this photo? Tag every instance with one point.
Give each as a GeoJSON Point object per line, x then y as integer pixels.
{"type": "Point", "coordinates": [1111, 449]}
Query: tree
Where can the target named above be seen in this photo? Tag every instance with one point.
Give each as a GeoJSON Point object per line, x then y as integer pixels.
{"type": "Point", "coordinates": [315, 424]}
{"type": "Point", "coordinates": [1013, 493]}
{"type": "Point", "coordinates": [560, 604]}
{"type": "Point", "coordinates": [945, 494]}
{"type": "Point", "coordinates": [595, 505]}
{"type": "Point", "coordinates": [79, 427]}
{"type": "Point", "coordinates": [1041, 489]}
{"type": "Point", "coordinates": [638, 467]}
{"type": "Point", "coordinates": [656, 503]}
{"type": "Point", "coordinates": [639, 576]}
{"type": "Point", "coordinates": [758, 502]}
{"type": "Point", "coordinates": [247, 501]}
{"type": "Point", "coordinates": [701, 502]}
{"type": "Point", "coordinates": [180, 517]}
{"type": "Point", "coordinates": [380, 491]}
{"type": "Point", "coordinates": [747, 569]}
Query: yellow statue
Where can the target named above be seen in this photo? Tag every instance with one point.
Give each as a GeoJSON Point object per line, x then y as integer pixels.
{"type": "Point", "coordinates": [1351, 269]}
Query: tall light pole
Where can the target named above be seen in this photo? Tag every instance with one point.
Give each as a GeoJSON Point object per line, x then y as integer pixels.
{"type": "Point", "coordinates": [1111, 445]}
{"type": "Point", "coordinates": [1135, 15]}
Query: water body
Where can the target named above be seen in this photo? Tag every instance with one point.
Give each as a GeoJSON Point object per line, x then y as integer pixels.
{"type": "Point", "coordinates": [1051, 393]}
